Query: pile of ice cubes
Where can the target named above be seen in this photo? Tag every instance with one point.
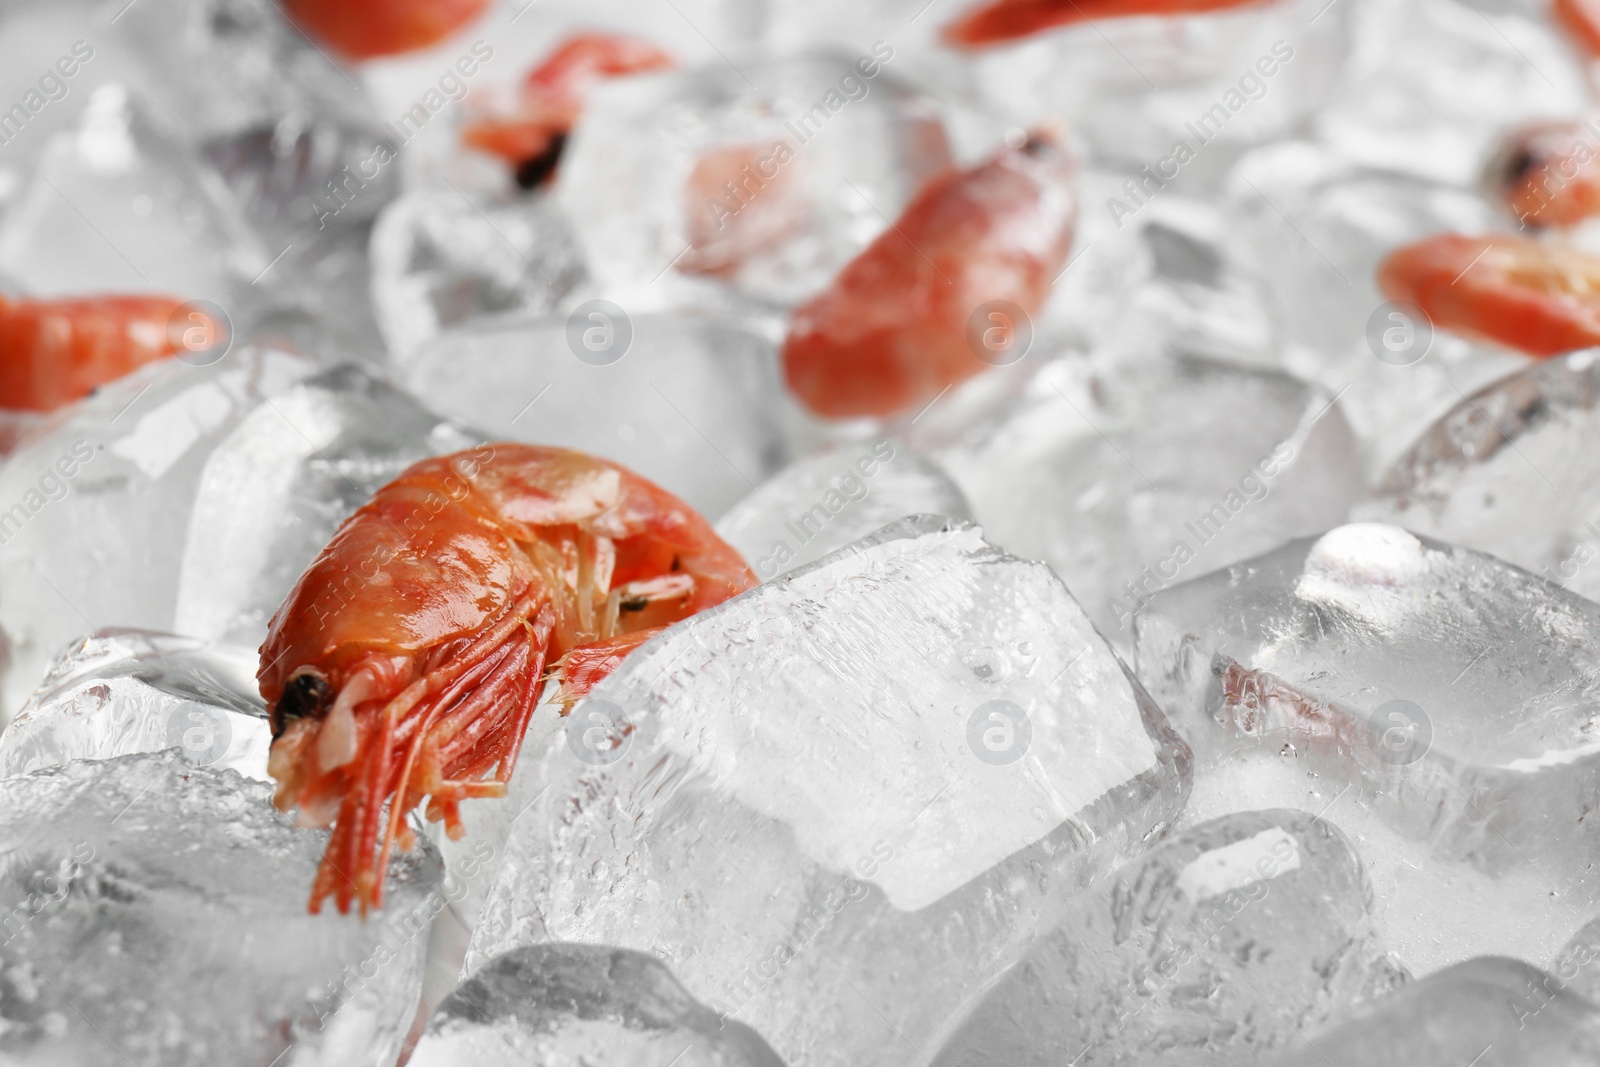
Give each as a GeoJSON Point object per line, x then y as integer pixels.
{"type": "Point", "coordinates": [1210, 688]}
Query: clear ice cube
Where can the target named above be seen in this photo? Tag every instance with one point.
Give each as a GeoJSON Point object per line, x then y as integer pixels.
{"type": "Point", "coordinates": [119, 692]}
{"type": "Point", "coordinates": [843, 803]}
{"type": "Point", "coordinates": [680, 180]}
{"type": "Point", "coordinates": [274, 490]}
{"type": "Point", "coordinates": [1213, 948]}
{"type": "Point", "coordinates": [96, 509]}
{"type": "Point", "coordinates": [582, 1006]}
{"type": "Point", "coordinates": [156, 915]}
{"type": "Point", "coordinates": [691, 402]}
{"type": "Point", "coordinates": [440, 259]}
{"type": "Point", "coordinates": [823, 502]}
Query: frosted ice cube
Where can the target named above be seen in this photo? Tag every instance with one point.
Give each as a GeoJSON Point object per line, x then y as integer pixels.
{"type": "Point", "coordinates": [1127, 482]}
{"type": "Point", "coordinates": [156, 915]}
{"type": "Point", "coordinates": [440, 259]}
{"type": "Point", "coordinates": [1434, 83]}
{"type": "Point", "coordinates": [843, 803]}
{"type": "Point", "coordinates": [1509, 472]}
{"type": "Point", "coordinates": [1179, 95]}
{"type": "Point", "coordinates": [93, 513]}
{"type": "Point", "coordinates": [691, 402]}
{"type": "Point", "coordinates": [1489, 1012]}
{"type": "Point", "coordinates": [822, 503]}
{"type": "Point", "coordinates": [582, 1006]}
{"type": "Point", "coordinates": [123, 691]}
{"type": "Point", "coordinates": [1452, 692]}
{"type": "Point", "coordinates": [274, 490]}
{"type": "Point", "coordinates": [1213, 948]}
{"type": "Point", "coordinates": [679, 179]}
{"type": "Point", "coordinates": [1316, 227]}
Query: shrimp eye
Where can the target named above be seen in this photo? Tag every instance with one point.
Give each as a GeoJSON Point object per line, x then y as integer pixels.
{"type": "Point", "coordinates": [307, 694]}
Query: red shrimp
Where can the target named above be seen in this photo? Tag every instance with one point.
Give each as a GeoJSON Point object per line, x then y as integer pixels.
{"type": "Point", "coordinates": [739, 201]}
{"type": "Point", "coordinates": [892, 331]}
{"type": "Point", "coordinates": [364, 29]}
{"type": "Point", "coordinates": [531, 135]}
{"type": "Point", "coordinates": [1010, 20]}
{"type": "Point", "coordinates": [408, 659]}
{"type": "Point", "coordinates": [53, 352]}
{"type": "Point", "coordinates": [1581, 21]}
{"type": "Point", "coordinates": [1537, 298]}
{"type": "Point", "coordinates": [1548, 174]}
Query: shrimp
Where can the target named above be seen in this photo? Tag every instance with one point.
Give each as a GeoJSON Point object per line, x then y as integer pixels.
{"type": "Point", "coordinates": [739, 201]}
{"type": "Point", "coordinates": [1010, 20]}
{"type": "Point", "coordinates": [1548, 174]}
{"type": "Point", "coordinates": [407, 661]}
{"type": "Point", "coordinates": [1581, 21]}
{"type": "Point", "coordinates": [53, 352]}
{"type": "Point", "coordinates": [364, 29]}
{"type": "Point", "coordinates": [891, 332]}
{"type": "Point", "coordinates": [1537, 298]}
{"type": "Point", "coordinates": [531, 135]}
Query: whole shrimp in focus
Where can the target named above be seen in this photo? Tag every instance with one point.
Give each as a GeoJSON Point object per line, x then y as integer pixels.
{"type": "Point", "coordinates": [891, 332]}
{"type": "Point", "coordinates": [53, 352]}
{"type": "Point", "coordinates": [363, 29]}
{"type": "Point", "coordinates": [408, 660]}
{"type": "Point", "coordinates": [531, 135]}
{"type": "Point", "coordinates": [1548, 174]}
{"type": "Point", "coordinates": [1010, 20]}
{"type": "Point", "coordinates": [1537, 298]}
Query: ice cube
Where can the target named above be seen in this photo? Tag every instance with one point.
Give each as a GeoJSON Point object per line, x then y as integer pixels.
{"type": "Point", "coordinates": [123, 691]}
{"type": "Point", "coordinates": [440, 259]}
{"type": "Point", "coordinates": [1508, 472]}
{"type": "Point", "coordinates": [689, 401]}
{"type": "Point", "coordinates": [1448, 690]}
{"type": "Point", "coordinates": [1316, 227]}
{"type": "Point", "coordinates": [156, 915]}
{"type": "Point", "coordinates": [1178, 96]}
{"type": "Point", "coordinates": [1434, 83]}
{"type": "Point", "coordinates": [822, 503]}
{"type": "Point", "coordinates": [1215, 947]}
{"type": "Point", "coordinates": [1488, 1012]}
{"type": "Point", "coordinates": [1126, 482]}
{"type": "Point", "coordinates": [93, 513]}
{"type": "Point", "coordinates": [680, 179]}
{"type": "Point", "coordinates": [570, 1005]}
{"type": "Point", "coordinates": [275, 489]}
{"type": "Point", "coordinates": [843, 803]}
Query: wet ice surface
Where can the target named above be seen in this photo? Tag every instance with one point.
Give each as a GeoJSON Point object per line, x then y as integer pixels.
{"type": "Point", "coordinates": [1217, 945]}
{"type": "Point", "coordinates": [689, 401]}
{"type": "Point", "coordinates": [1127, 482]}
{"type": "Point", "coordinates": [849, 798]}
{"type": "Point", "coordinates": [275, 489]}
{"type": "Point", "coordinates": [1372, 663]}
{"type": "Point", "coordinates": [119, 692]}
{"type": "Point", "coordinates": [103, 500]}
{"type": "Point", "coordinates": [440, 259]}
{"type": "Point", "coordinates": [145, 893]}
{"type": "Point", "coordinates": [813, 176]}
{"type": "Point", "coordinates": [826, 501]}
{"type": "Point", "coordinates": [1510, 471]}
{"type": "Point", "coordinates": [1489, 1011]}
{"type": "Point", "coordinates": [582, 1006]}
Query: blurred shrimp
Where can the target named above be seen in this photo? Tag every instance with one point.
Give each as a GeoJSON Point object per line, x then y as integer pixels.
{"type": "Point", "coordinates": [739, 201]}
{"type": "Point", "coordinates": [1548, 174]}
{"type": "Point", "coordinates": [1010, 20]}
{"type": "Point", "coordinates": [531, 134]}
{"type": "Point", "coordinates": [892, 331]}
{"type": "Point", "coordinates": [364, 29]}
{"type": "Point", "coordinates": [1581, 21]}
{"type": "Point", "coordinates": [1537, 298]}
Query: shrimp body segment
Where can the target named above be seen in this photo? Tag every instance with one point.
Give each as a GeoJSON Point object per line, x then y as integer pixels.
{"type": "Point", "coordinates": [407, 661]}
{"type": "Point", "coordinates": [531, 134]}
{"type": "Point", "coordinates": [892, 330]}
{"type": "Point", "coordinates": [1010, 20]}
{"type": "Point", "coordinates": [53, 352]}
{"type": "Point", "coordinates": [365, 29]}
{"type": "Point", "coordinates": [1537, 298]}
{"type": "Point", "coordinates": [1548, 174]}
